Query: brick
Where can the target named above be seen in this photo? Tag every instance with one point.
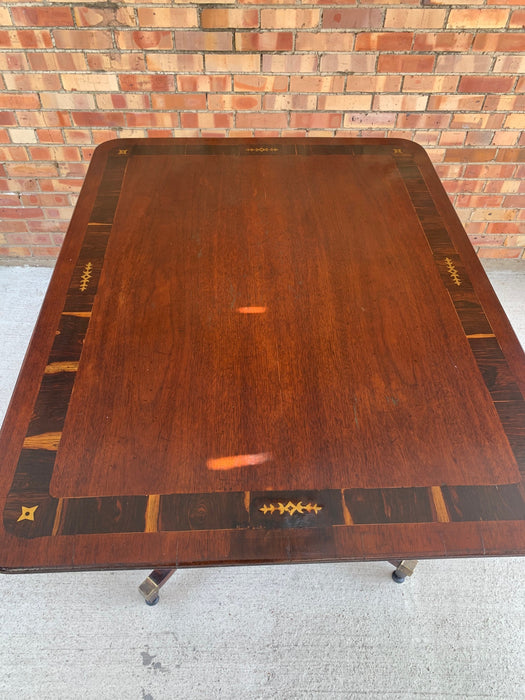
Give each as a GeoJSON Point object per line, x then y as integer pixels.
{"type": "Point", "coordinates": [289, 102]}
{"type": "Point", "coordinates": [177, 102]}
{"type": "Point", "coordinates": [369, 18]}
{"type": "Point", "coordinates": [53, 100]}
{"type": "Point", "coordinates": [32, 170]}
{"type": "Point", "coordinates": [469, 155]}
{"type": "Point", "coordinates": [404, 103]}
{"type": "Point", "coordinates": [150, 40]}
{"type": "Point", "coordinates": [175, 62]}
{"type": "Point", "coordinates": [19, 101]}
{"type": "Point", "coordinates": [370, 119]}
{"type": "Point", "coordinates": [509, 64]}
{"type": "Point", "coordinates": [315, 120]}
{"type": "Point", "coordinates": [511, 155]}
{"type": "Point", "coordinates": [39, 118]}
{"type": "Point", "coordinates": [5, 18]}
{"type": "Point", "coordinates": [479, 138]}
{"type": "Point", "coordinates": [384, 41]}
{"type": "Point", "coordinates": [515, 121]}
{"type": "Point", "coordinates": [520, 86]}
{"type": "Point", "coordinates": [225, 19]}
{"type": "Point", "coordinates": [486, 83]}
{"type": "Point", "coordinates": [477, 19]}
{"type": "Point", "coordinates": [485, 240]}
{"type": "Point", "coordinates": [42, 16]}
{"type": "Point", "coordinates": [401, 18]}
{"type": "Point", "coordinates": [21, 213]}
{"type": "Point", "coordinates": [290, 64]}
{"type": "Point", "coordinates": [463, 64]}
{"type": "Point", "coordinates": [489, 171]}
{"type": "Point", "coordinates": [317, 83]}
{"type": "Point", "coordinates": [517, 20]}
{"type": "Point", "coordinates": [227, 103]}
{"type": "Point", "coordinates": [477, 201]}
{"type": "Point", "coordinates": [104, 16]}
{"type": "Point", "coordinates": [49, 135]}
{"type": "Point", "coordinates": [206, 120]}
{"type": "Point", "coordinates": [443, 41]}
{"type": "Point", "coordinates": [26, 39]}
{"type": "Point", "coordinates": [260, 83]}
{"type": "Point", "coordinates": [149, 119]}
{"type": "Point", "coordinates": [499, 42]}
{"type": "Point", "coordinates": [97, 118]}
{"type": "Point", "coordinates": [13, 61]}
{"type": "Point", "coordinates": [351, 63]}
{"type": "Point", "coordinates": [423, 121]}
{"type": "Point", "coordinates": [469, 120]}
{"type": "Point", "coordinates": [505, 138]}
{"type": "Point", "coordinates": [245, 63]}
{"type": "Point", "coordinates": [390, 63]}
{"type": "Point", "coordinates": [373, 83]}
{"type": "Point", "coordinates": [256, 120]}
{"type": "Point", "coordinates": [263, 41]}
{"type": "Point", "coordinates": [19, 185]}
{"type": "Point", "coordinates": [455, 102]}
{"type": "Point", "coordinates": [516, 201]}
{"type": "Point", "coordinates": [32, 81]}
{"type": "Point", "coordinates": [107, 101]}
{"type": "Point", "coordinates": [89, 82]}
{"type": "Point", "coordinates": [22, 135]}
{"type": "Point", "coordinates": [118, 62]}
{"type": "Point", "coordinates": [297, 19]}
{"type": "Point", "coordinates": [354, 103]}
{"type": "Point", "coordinates": [203, 83]}
{"type": "Point", "coordinates": [167, 17]}
{"type": "Point", "coordinates": [324, 41]}
{"type": "Point", "coordinates": [57, 61]}
{"type": "Point", "coordinates": [505, 103]}
{"type": "Point", "coordinates": [430, 83]}
{"type": "Point", "coordinates": [157, 83]}
{"type": "Point", "coordinates": [7, 119]}
{"type": "Point", "coordinates": [203, 41]}
{"type": "Point", "coordinates": [45, 200]}
{"type": "Point", "coordinates": [15, 252]}
{"type": "Point", "coordinates": [504, 186]}
{"type": "Point", "coordinates": [84, 39]}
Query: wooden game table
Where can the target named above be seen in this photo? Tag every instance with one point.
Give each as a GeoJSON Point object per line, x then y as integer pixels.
{"type": "Point", "coordinates": [264, 351]}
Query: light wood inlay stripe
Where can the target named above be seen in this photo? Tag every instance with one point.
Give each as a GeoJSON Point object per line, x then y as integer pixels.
{"type": "Point", "coordinates": [439, 504]}
{"type": "Point", "coordinates": [346, 513]}
{"type": "Point", "coordinates": [481, 335]}
{"type": "Point", "coordinates": [45, 441]}
{"type": "Point", "coordinates": [80, 314]}
{"type": "Point", "coordinates": [247, 501]}
{"type": "Point", "coordinates": [56, 367]}
{"type": "Point", "coordinates": [152, 514]}
{"type": "Point", "coordinates": [58, 516]}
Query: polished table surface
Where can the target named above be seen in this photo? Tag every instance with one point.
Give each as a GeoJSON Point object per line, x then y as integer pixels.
{"type": "Point", "coordinates": [264, 351]}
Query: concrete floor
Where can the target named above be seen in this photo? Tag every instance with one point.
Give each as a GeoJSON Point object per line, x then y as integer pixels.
{"type": "Point", "coordinates": [455, 630]}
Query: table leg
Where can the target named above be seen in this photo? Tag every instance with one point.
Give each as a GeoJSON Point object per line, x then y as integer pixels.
{"type": "Point", "coordinates": [404, 568]}
{"type": "Point", "coordinates": [151, 585]}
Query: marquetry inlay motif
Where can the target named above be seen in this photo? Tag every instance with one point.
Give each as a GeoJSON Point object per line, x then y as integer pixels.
{"type": "Point", "coordinates": [262, 149]}
{"type": "Point", "coordinates": [291, 508]}
{"type": "Point", "coordinates": [27, 513]}
{"type": "Point", "coordinates": [452, 271]}
{"type": "Point", "coordinates": [86, 276]}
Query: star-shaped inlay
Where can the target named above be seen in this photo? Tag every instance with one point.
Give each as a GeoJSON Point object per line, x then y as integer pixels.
{"type": "Point", "coordinates": [123, 152]}
{"type": "Point", "coordinates": [27, 513]}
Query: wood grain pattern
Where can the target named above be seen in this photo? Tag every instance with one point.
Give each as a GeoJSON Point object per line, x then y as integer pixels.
{"type": "Point", "coordinates": [282, 346]}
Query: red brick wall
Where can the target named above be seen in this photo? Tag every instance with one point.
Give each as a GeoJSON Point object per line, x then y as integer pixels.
{"type": "Point", "coordinates": [448, 75]}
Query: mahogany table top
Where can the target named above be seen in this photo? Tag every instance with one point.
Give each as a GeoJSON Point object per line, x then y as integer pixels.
{"type": "Point", "coordinates": [264, 351]}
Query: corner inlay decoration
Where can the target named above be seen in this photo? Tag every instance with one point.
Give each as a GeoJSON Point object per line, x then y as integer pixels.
{"type": "Point", "coordinates": [27, 513]}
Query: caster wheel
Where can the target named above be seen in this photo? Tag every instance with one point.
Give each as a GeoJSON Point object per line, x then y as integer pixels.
{"type": "Point", "coordinates": [397, 578]}
{"type": "Point", "coordinates": [152, 602]}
